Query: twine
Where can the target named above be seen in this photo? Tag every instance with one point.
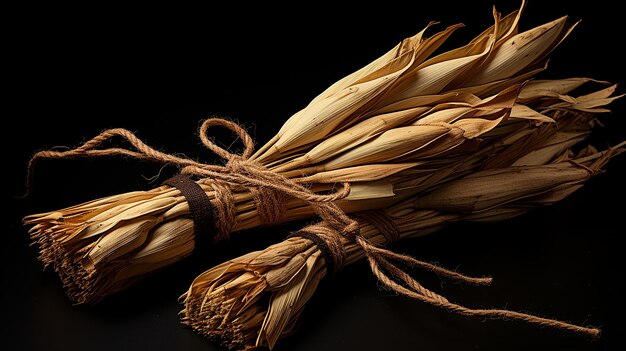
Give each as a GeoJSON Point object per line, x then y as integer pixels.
{"type": "Point", "coordinates": [270, 191]}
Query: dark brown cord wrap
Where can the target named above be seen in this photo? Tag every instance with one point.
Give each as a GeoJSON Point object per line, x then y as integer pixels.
{"type": "Point", "coordinates": [200, 207]}
{"type": "Point", "coordinates": [327, 241]}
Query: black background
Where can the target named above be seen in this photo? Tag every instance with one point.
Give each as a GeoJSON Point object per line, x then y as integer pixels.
{"type": "Point", "coordinates": [75, 71]}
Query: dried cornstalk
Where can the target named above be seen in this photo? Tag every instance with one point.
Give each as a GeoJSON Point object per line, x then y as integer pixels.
{"type": "Point", "coordinates": [256, 299]}
{"type": "Point", "coordinates": [406, 123]}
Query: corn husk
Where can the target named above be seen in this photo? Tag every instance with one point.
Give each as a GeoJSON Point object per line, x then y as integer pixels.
{"type": "Point", "coordinates": [406, 123]}
{"type": "Point", "coordinates": [256, 299]}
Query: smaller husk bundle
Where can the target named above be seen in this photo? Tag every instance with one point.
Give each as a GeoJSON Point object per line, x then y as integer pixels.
{"type": "Point", "coordinates": [406, 123]}
{"type": "Point", "coordinates": [256, 299]}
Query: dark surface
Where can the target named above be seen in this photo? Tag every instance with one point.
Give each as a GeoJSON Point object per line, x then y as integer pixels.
{"type": "Point", "coordinates": [158, 71]}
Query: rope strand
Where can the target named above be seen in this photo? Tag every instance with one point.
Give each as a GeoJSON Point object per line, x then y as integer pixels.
{"type": "Point", "coordinates": [420, 293]}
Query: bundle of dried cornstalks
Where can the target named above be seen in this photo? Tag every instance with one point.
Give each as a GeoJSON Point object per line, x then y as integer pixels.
{"type": "Point", "coordinates": [256, 299]}
{"type": "Point", "coordinates": [406, 123]}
